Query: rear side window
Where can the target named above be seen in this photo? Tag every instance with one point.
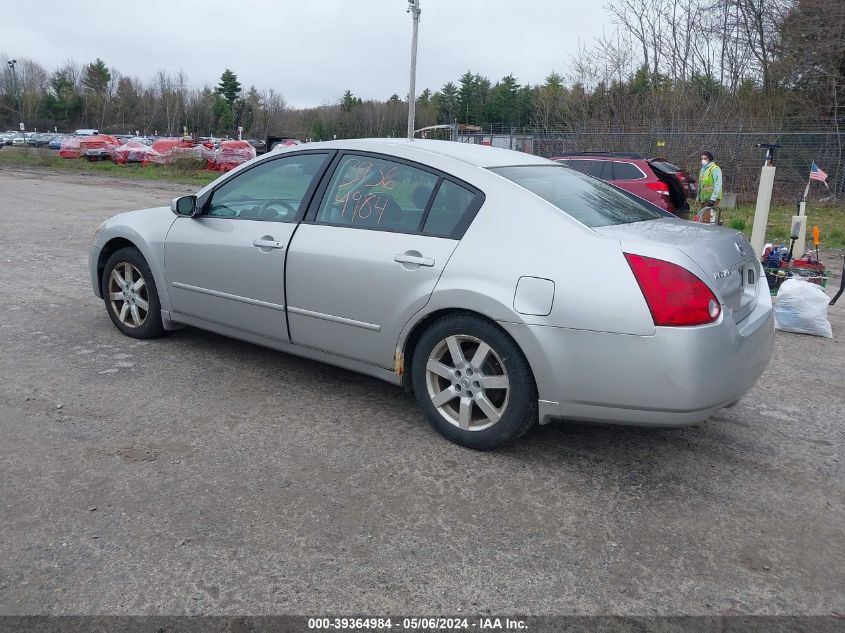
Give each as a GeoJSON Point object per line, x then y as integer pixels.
{"type": "Point", "coordinates": [595, 168]}
{"type": "Point", "coordinates": [375, 193]}
{"type": "Point", "coordinates": [600, 169]}
{"type": "Point", "coordinates": [450, 206]}
{"type": "Point", "coordinates": [626, 171]}
{"type": "Point", "coordinates": [590, 201]}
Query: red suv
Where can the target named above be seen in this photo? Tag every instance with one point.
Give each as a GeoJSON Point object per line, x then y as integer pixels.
{"type": "Point", "coordinates": [660, 182]}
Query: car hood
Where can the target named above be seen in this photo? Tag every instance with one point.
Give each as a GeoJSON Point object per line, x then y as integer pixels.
{"type": "Point", "coordinates": [154, 221]}
{"type": "Point", "coordinates": [152, 213]}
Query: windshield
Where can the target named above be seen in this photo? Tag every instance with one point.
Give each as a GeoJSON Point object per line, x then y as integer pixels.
{"type": "Point", "coordinates": [588, 200]}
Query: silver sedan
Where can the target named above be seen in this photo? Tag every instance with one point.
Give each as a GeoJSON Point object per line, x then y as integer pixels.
{"type": "Point", "coordinates": [502, 288]}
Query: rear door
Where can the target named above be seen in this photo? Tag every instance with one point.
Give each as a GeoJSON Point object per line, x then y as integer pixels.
{"type": "Point", "coordinates": [370, 253]}
{"type": "Point", "coordinates": [227, 265]}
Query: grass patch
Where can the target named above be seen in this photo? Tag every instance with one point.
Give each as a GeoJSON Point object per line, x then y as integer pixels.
{"type": "Point", "coordinates": [829, 218]}
{"type": "Point", "coordinates": [737, 223]}
{"type": "Point", "coordinates": [49, 159]}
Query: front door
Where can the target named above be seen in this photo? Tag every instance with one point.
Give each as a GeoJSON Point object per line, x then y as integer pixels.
{"type": "Point", "coordinates": [226, 266]}
{"type": "Point", "coordinates": [371, 255]}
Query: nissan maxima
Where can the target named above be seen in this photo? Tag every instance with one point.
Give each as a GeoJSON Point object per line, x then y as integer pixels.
{"type": "Point", "coordinates": [501, 288]}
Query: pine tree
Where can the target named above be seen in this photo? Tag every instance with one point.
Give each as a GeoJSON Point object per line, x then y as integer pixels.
{"type": "Point", "coordinates": [229, 86]}
{"type": "Point", "coordinates": [349, 101]}
{"type": "Point", "coordinates": [96, 76]}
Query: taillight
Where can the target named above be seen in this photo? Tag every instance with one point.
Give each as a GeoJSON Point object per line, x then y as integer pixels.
{"type": "Point", "coordinates": [674, 295]}
{"type": "Point", "coordinates": [660, 187]}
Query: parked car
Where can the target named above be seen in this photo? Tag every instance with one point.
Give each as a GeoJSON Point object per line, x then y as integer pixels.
{"type": "Point", "coordinates": [20, 139]}
{"type": "Point", "coordinates": [260, 146]}
{"type": "Point", "coordinates": [11, 133]}
{"type": "Point", "coordinates": [98, 147]}
{"type": "Point", "coordinates": [86, 132]}
{"type": "Point", "coordinates": [655, 180]}
{"type": "Point", "coordinates": [179, 149]}
{"type": "Point", "coordinates": [230, 154]}
{"type": "Point", "coordinates": [70, 146]}
{"type": "Point", "coordinates": [133, 151]}
{"type": "Point", "coordinates": [39, 139]}
{"type": "Point", "coordinates": [502, 288]}
{"type": "Point", "coordinates": [56, 141]}
{"type": "Point", "coordinates": [280, 141]}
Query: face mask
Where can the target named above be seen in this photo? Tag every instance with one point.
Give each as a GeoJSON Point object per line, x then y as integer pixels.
{"type": "Point", "coordinates": [704, 162]}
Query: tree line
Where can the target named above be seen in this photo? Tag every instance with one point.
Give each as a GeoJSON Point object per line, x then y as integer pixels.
{"type": "Point", "coordinates": [668, 64]}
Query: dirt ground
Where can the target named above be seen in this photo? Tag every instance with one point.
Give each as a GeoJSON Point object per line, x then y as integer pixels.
{"type": "Point", "coordinates": [195, 474]}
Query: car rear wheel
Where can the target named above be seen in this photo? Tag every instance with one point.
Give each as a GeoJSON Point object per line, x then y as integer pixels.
{"type": "Point", "coordinates": [473, 382]}
{"type": "Point", "coordinates": [130, 294]}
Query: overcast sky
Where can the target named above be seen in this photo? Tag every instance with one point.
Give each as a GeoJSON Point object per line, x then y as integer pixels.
{"type": "Point", "coordinates": [309, 50]}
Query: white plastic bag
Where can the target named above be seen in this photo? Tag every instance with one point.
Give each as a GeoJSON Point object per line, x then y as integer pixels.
{"type": "Point", "coordinates": [802, 307]}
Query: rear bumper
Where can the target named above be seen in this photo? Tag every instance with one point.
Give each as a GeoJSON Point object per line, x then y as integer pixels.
{"type": "Point", "coordinates": [676, 377]}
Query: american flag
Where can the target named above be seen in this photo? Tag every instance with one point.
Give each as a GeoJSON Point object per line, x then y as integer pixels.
{"type": "Point", "coordinates": [817, 174]}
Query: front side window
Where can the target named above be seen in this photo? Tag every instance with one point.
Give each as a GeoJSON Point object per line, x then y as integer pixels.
{"type": "Point", "coordinates": [273, 190]}
{"type": "Point", "coordinates": [592, 202]}
{"type": "Point", "coordinates": [375, 193]}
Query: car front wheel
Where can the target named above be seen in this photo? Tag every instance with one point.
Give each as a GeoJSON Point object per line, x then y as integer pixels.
{"type": "Point", "coordinates": [130, 295]}
{"type": "Point", "coordinates": [473, 382]}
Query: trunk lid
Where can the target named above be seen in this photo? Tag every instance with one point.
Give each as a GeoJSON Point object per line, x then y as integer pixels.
{"type": "Point", "coordinates": [723, 257]}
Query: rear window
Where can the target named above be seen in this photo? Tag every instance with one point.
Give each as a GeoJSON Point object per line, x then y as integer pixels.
{"type": "Point", "coordinates": [662, 165]}
{"type": "Point", "coordinates": [590, 201]}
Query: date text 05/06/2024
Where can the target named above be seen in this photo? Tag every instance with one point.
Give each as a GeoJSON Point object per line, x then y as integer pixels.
{"type": "Point", "coordinates": [416, 623]}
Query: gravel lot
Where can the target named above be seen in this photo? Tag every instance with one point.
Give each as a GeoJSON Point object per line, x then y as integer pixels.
{"type": "Point", "coordinates": [197, 474]}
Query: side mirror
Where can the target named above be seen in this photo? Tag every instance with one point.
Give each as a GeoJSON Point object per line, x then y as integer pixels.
{"type": "Point", "coordinates": [184, 206]}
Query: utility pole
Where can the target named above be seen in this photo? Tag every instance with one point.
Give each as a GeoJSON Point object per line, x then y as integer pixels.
{"type": "Point", "coordinates": [414, 10]}
{"type": "Point", "coordinates": [12, 63]}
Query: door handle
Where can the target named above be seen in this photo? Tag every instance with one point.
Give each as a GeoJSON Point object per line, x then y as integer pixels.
{"type": "Point", "coordinates": [267, 243]}
{"type": "Point", "coordinates": [418, 260]}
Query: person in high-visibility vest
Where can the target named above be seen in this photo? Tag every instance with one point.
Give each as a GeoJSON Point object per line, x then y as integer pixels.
{"type": "Point", "coordinates": [709, 186]}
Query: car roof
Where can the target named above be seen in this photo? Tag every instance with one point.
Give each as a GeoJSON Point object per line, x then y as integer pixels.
{"type": "Point", "coordinates": [604, 153]}
{"type": "Point", "coordinates": [619, 158]}
{"type": "Point", "coordinates": [477, 155]}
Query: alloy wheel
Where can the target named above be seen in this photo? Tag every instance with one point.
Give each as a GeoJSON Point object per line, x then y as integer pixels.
{"type": "Point", "coordinates": [467, 382]}
{"type": "Point", "coordinates": [128, 295]}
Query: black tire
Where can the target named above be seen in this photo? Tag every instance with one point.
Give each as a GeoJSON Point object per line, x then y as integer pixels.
{"type": "Point", "coordinates": [518, 406]}
{"type": "Point", "coordinates": [150, 325]}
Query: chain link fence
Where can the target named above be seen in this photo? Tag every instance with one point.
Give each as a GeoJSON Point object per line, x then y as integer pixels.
{"type": "Point", "coordinates": [734, 151]}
